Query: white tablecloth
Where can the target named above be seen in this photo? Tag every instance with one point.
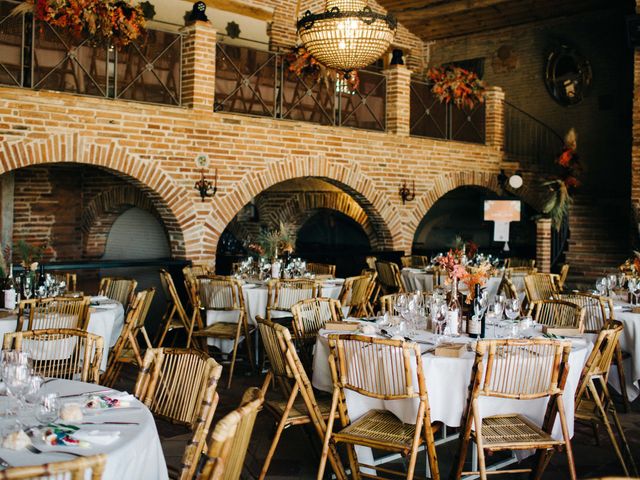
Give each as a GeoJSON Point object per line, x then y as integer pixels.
{"type": "Point", "coordinates": [255, 301]}
{"type": "Point", "coordinates": [417, 279]}
{"type": "Point", "coordinates": [137, 454]}
{"type": "Point", "coordinates": [447, 381]}
{"type": "Point", "coordinates": [106, 320]}
{"type": "Point", "coordinates": [630, 343]}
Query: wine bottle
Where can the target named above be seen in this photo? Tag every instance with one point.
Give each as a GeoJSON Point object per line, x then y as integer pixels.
{"type": "Point", "coordinates": [9, 292]}
{"type": "Point", "coordinates": [474, 325]}
{"type": "Point", "coordinates": [453, 316]}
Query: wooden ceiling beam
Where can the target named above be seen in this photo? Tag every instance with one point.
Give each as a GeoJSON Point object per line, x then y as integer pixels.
{"type": "Point", "coordinates": [241, 8]}
{"type": "Point", "coordinates": [444, 7]}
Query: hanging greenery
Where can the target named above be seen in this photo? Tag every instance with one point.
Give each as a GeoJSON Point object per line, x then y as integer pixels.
{"type": "Point", "coordinates": [557, 205]}
{"type": "Point", "coordinates": [457, 85]}
{"type": "Point", "coordinates": [104, 22]}
{"type": "Point", "coordinates": [304, 65]}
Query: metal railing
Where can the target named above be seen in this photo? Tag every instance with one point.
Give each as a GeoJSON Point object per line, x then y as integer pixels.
{"type": "Point", "coordinates": [34, 54]}
{"type": "Point", "coordinates": [529, 141]}
{"type": "Point", "coordinates": [258, 82]}
{"type": "Point", "coordinates": [432, 118]}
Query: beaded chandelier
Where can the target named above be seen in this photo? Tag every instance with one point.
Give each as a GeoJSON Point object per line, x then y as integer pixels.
{"type": "Point", "coordinates": [347, 35]}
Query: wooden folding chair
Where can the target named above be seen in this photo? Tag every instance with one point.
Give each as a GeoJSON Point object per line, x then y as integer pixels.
{"type": "Point", "coordinates": [562, 276]}
{"type": "Point", "coordinates": [119, 289]}
{"type": "Point", "coordinates": [557, 313]}
{"type": "Point", "coordinates": [174, 309]}
{"type": "Point", "coordinates": [127, 349]}
{"type": "Point", "coordinates": [179, 385]}
{"type": "Point", "coordinates": [83, 468]}
{"type": "Point", "coordinates": [593, 402]}
{"type": "Point", "coordinates": [389, 277]}
{"type": "Point", "coordinates": [284, 294]}
{"type": "Point", "coordinates": [321, 269]}
{"type": "Point", "coordinates": [230, 439]}
{"type": "Point", "coordinates": [58, 312]}
{"type": "Point", "coordinates": [415, 261]}
{"type": "Point", "coordinates": [309, 316]}
{"type": "Point", "coordinates": [516, 262]}
{"type": "Point", "coordinates": [222, 294]}
{"type": "Point", "coordinates": [355, 294]}
{"type": "Point", "coordinates": [68, 353]}
{"type": "Point", "coordinates": [516, 369]}
{"type": "Point", "coordinates": [540, 286]}
{"type": "Point", "coordinates": [381, 369]}
{"type": "Point", "coordinates": [287, 371]}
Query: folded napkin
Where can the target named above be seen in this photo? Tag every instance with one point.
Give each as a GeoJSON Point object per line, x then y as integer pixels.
{"type": "Point", "coordinates": [97, 437]}
{"type": "Point", "coordinates": [56, 436]}
{"type": "Point", "coordinates": [115, 400]}
{"type": "Point", "coordinates": [99, 298]}
{"type": "Point", "coordinates": [368, 329]}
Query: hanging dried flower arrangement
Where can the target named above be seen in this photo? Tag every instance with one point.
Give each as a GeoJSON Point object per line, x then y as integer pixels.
{"type": "Point", "coordinates": [456, 85]}
{"type": "Point", "coordinates": [304, 65]}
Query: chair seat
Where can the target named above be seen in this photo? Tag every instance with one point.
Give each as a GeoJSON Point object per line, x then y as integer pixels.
{"type": "Point", "coordinates": [221, 330]}
{"type": "Point", "coordinates": [378, 428]}
{"type": "Point", "coordinates": [298, 413]}
{"type": "Point", "coordinates": [513, 432]}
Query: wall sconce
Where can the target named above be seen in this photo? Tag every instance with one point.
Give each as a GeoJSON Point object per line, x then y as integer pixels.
{"type": "Point", "coordinates": [204, 186]}
{"type": "Point", "coordinates": [514, 181]}
{"type": "Point", "coordinates": [406, 194]}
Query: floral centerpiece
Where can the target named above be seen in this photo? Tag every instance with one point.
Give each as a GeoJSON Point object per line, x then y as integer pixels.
{"type": "Point", "coordinates": [632, 265]}
{"type": "Point", "coordinates": [270, 243]}
{"type": "Point", "coordinates": [107, 22]}
{"type": "Point", "coordinates": [455, 263]}
{"type": "Point", "coordinates": [457, 85]}
{"type": "Point", "coordinates": [30, 255]}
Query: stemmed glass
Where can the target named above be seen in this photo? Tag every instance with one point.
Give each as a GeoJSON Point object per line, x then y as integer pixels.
{"type": "Point", "coordinates": [636, 292]}
{"type": "Point", "coordinates": [17, 377]}
{"type": "Point", "coordinates": [439, 312]}
{"type": "Point", "coordinates": [631, 286]}
{"type": "Point", "coordinates": [495, 311]}
{"type": "Point", "coordinates": [601, 286]}
{"type": "Point", "coordinates": [512, 310]}
{"type": "Point", "coordinates": [27, 286]}
{"type": "Point", "coordinates": [401, 307]}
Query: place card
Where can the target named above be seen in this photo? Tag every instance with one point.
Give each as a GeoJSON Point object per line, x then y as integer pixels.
{"type": "Point", "coordinates": [450, 350]}
{"type": "Point", "coordinates": [562, 331]}
{"type": "Point", "coordinates": [342, 326]}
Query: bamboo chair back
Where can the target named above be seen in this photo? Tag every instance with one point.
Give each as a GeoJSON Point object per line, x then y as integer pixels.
{"type": "Point", "coordinates": [119, 289]}
{"type": "Point", "coordinates": [557, 313]}
{"type": "Point", "coordinates": [309, 316]}
{"type": "Point", "coordinates": [376, 367]}
{"type": "Point", "coordinates": [180, 385]}
{"type": "Point", "coordinates": [594, 306]}
{"type": "Point", "coordinates": [83, 468]}
{"type": "Point", "coordinates": [540, 286]}
{"type": "Point", "coordinates": [508, 288]}
{"type": "Point", "coordinates": [387, 302]}
{"type": "Point", "coordinates": [219, 293]}
{"type": "Point", "coordinates": [371, 262]}
{"type": "Point", "coordinates": [284, 294]}
{"type": "Point", "coordinates": [69, 278]}
{"type": "Point", "coordinates": [67, 353]}
{"type": "Point", "coordinates": [231, 436]}
{"type": "Point", "coordinates": [58, 312]}
{"type": "Point", "coordinates": [516, 262]}
{"type": "Point", "coordinates": [321, 269]}
{"type": "Point", "coordinates": [389, 277]}
{"type": "Point", "coordinates": [521, 270]}
{"type": "Point", "coordinates": [599, 361]}
{"type": "Point", "coordinates": [562, 276]}
{"type": "Point", "coordinates": [520, 369]}
{"type": "Point", "coordinates": [196, 270]}
{"type": "Point", "coordinates": [277, 360]}
{"type": "Point", "coordinates": [356, 292]}
{"type": "Point", "coordinates": [414, 261]}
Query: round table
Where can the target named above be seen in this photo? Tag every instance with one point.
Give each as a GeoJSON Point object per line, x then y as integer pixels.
{"type": "Point", "coordinates": [630, 343]}
{"type": "Point", "coordinates": [106, 318]}
{"type": "Point", "coordinates": [137, 453]}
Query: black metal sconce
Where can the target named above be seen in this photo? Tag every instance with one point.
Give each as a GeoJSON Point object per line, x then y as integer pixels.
{"type": "Point", "coordinates": [407, 194]}
{"type": "Point", "coordinates": [205, 187]}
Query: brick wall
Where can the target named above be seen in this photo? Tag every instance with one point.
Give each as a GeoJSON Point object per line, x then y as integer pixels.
{"type": "Point", "coordinates": [154, 147]}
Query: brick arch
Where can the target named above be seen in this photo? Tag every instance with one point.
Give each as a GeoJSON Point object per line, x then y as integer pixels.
{"type": "Point", "coordinates": [300, 207]}
{"type": "Point", "coordinates": [383, 215]}
{"type": "Point", "coordinates": [171, 202]}
{"type": "Point", "coordinates": [450, 181]}
{"type": "Point", "coordinates": [103, 210]}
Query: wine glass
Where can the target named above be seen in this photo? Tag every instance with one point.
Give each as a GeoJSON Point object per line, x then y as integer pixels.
{"type": "Point", "coordinates": [601, 286]}
{"type": "Point", "coordinates": [27, 286]}
{"type": "Point", "coordinates": [439, 313]}
{"type": "Point", "coordinates": [636, 292]}
{"type": "Point", "coordinates": [512, 308]}
{"type": "Point", "coordinates": [495, 312]}
{"type": "Point", "coordinates": [17, 377]}
{"type": "Point", "coordinates": [401, 305]}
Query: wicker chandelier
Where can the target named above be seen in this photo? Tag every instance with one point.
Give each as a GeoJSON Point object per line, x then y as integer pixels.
{"type": "Point", "coordinates": [347, 35]}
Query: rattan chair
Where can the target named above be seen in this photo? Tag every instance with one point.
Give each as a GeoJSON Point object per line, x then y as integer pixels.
{"type": "Point", "coordinates": [389, 277]}
{"type": "Point", "coordinates": [415, 261]}
{"type": "Point", "coordinates": [119, 289]}
{"type": "Point", "coordinates": [222, 294]}
{"type": "Point", "coordinates": [83, 468]}
{"type": "Point", "coordinates": [230, 439]}
{"type": "Point", "coordinates": [540, 286]}
{"type": "Point", "coordinates": [386, 370]}
{"type": "Point", "coordinates": [179, 385]}
{"type": "Point", "coordinates": [309, 316]}
{"type": "Point", "coordinates": [516, 262]}
{"type": "Point", "coordinates": [288, 373]}
{"type": "Point", "coordinates": [518, 370]}
{"type": "Point", "coordinates": [356, 293]}
{"type": "Point", "coordinates": [175, 316]}
{"type": "Point", "coordinates": [562, 276]}
{"type": "Point", "coordinates": [58, 312]}
{"type": "Point", "coordinates": [593, 402]}
{"type": "Point", "coordinates": [557, 314]}
{"type": "Point", "coordinates": [67, 353]}
{"type": "Point", "coordinates": [284, 294]}
{"type": "Point", "coordinates": [321, 269]}
{"type": "Point", "coordinates": [127, 349]}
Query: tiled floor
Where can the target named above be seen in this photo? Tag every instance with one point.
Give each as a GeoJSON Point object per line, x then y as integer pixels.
{"type": "Point", "coordinates": [296, 457]}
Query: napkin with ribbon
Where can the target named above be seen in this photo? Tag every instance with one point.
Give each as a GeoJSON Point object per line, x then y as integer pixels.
{"type": "Point", "coordinates": [113, 400]}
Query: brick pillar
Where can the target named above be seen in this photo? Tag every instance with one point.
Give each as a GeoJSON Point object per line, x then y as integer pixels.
{"type": "Point", "coordinates": [199, 66]}
{"type": "Point", "coordinates": [543, 245]}
{"type": "Point", "coordinates": [494, 123]}
{"type": "Point", "coordinates": [398, 99]}
{"type": "Point", "coordinates": [635, 145]}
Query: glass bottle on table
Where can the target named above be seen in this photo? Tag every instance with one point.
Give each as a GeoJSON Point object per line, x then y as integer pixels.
{"type": "Point", "coordinates": [454, 311]}
{"type": "Point", "coordinates": [9, 291]}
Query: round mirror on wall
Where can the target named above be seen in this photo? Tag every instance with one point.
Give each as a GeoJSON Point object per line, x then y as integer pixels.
{"type": "Point", "coordinates": [568, 75]}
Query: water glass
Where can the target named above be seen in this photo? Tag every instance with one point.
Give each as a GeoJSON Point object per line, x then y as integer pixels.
{"type": "Point", "coordinates": [601, 286]}
{"type": "Point", "coordinates": [47, 408]}
{"type": "Point", "coordinates": [512, 308]}
{"type": "Point", "coordinates": [16, 378]}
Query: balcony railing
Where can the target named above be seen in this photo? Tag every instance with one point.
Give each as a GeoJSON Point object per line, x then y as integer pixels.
{"type": "Point", "coordinates": [258, 82]}
{"type": "Point", "coordinates": [33, 54]}
{"type": "Point", "coordinates": [431, 118]}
